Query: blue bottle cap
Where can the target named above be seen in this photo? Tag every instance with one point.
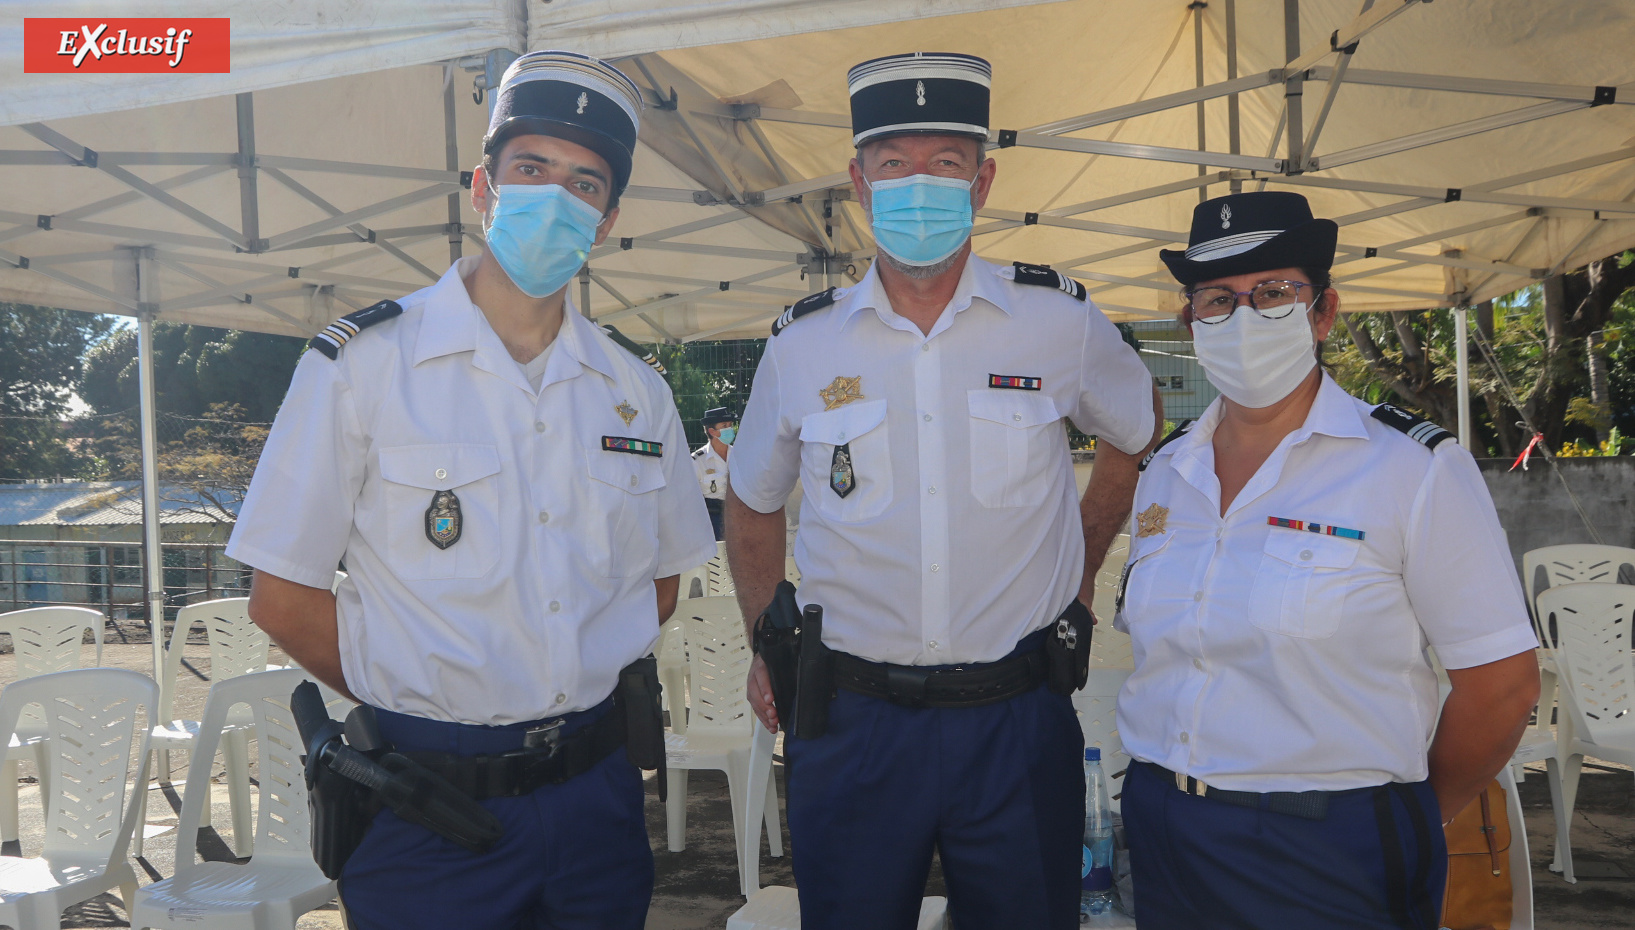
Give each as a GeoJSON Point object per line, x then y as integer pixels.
{"type": "Point", "coordinates": [1092, 753]}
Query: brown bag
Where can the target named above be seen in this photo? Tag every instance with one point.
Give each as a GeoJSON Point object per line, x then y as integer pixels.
{"type": "Point", "coordinates": [1478, 894]}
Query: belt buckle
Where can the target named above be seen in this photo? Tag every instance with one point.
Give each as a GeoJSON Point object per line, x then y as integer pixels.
{"type": "Point", "coordinates": [548, 735]}
{"type": "Point", "coordinates": [1190, 785]}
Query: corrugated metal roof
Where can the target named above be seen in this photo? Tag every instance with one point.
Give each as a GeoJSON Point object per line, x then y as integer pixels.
{"type": "Point", "coordinates": [101, 503]}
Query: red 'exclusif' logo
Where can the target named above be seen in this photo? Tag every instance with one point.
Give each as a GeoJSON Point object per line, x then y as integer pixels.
{"type": "Point", "coordinates": [126, 46]}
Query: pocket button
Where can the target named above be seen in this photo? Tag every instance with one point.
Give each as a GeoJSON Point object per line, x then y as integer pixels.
{"type": "Point", "coordinates": [441, 473]}
{"type": "Point", "coordinates": [1305, 555]}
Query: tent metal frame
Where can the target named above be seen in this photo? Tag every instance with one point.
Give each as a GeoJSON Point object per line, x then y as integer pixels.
{"type": "Point", "coordinates": [1293, 159]}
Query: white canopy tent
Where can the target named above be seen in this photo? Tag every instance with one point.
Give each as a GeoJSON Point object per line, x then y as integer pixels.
{"type": "Point", "coordinates": [1467, 148]}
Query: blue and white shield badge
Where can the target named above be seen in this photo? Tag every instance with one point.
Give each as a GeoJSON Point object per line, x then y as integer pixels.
{"type": "Point", "coordinates": [842, 479]}
{"type": "Point", "coordinates": [443, 519]}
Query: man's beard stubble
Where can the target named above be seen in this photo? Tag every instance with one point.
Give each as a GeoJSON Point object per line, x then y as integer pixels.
{"type": "Point", "coordinates": [920, 272]}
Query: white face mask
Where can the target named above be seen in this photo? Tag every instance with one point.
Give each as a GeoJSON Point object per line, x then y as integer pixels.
{"type": "Point", "coordinates": [1254, 361]}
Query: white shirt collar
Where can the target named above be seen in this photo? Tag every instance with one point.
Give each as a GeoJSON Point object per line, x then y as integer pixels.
{"type": "Point", "coordinates": [979, 279]}
{"type": "Point", "coordinates": [451, 323]}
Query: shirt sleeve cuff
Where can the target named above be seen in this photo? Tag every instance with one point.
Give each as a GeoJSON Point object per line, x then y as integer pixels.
{"type": "Point", "coordinates": [1503, 644]}
{"type": "Point", "coordinates": [263, 561]}
{"type": "Point", "coordinates": [694, 558]}
{"type": "Point", "coordinates": [759, 504]}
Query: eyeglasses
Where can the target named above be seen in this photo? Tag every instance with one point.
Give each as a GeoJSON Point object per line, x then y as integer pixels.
{"type": "Point", "coordinates": [1273, 300]}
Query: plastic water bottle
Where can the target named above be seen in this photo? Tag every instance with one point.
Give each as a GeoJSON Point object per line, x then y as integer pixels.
{"type": "Point", "coordinates": [1096, 874]}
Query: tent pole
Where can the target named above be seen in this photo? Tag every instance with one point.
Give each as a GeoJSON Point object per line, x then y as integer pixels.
{"type": "Point", "coordinates": [1294, 87]}
{"type": "Point", "coordinates": [584, 289]}
{"type": "Point", "coordinates": [152, 557]}
{"type": "Point", "coordinates": [249, 201]}
{"type": "Point", "coordinates": [1461, 330]}
{"type": "Point", "coordinates": [1197, 7]}
{"type": "Point", "coordinates": [451, 161]}
{"type": "Point", "coordinates": [1233, 127]}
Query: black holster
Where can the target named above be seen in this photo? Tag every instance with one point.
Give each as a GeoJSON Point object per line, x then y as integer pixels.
{"type": "Point", "coordinates": [637, 698]}
{"type": "Point", "coordinates": [800, 665]}
{"type": "Point", "coordinates": [341, 811]}
{"type": "Point", "coordinates": [1067, 649]}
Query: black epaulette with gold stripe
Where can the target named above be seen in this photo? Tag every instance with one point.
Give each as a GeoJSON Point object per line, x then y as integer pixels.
{"type": "Point", "coordinates": [336, 334]}
{"type": "Point", "coordinates": [1045, 276]}
{"type": "Point", "coordinates": [1417, 428]}
{"type": "Point", "coordinates": [631, 346]}
{"type": "Point", "coordinates": [809, 304]}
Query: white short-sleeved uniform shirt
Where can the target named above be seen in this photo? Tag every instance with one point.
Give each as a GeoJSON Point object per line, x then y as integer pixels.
{"type": "Point", "coordinates": [548, 591]}
{"type": "Point", "coordinates": [961, 533]}
{"type": "Point", "coordinates": [711, 470]}
{"type": "Point", "coordinates": [1275, 658]}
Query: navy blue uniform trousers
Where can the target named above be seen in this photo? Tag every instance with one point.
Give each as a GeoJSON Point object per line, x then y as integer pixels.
{"type": "Point", "coordinates": [998, 791]}
{"type": "Point", "coordinates": [1200, 863]}
{"type": "Point", "coordinates": [574, 856]}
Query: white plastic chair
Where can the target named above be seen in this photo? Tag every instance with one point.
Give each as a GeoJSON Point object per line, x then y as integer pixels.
{"type": "Point", "coordinates": [1551, 567]}
{"type": "Point", "coordinates": [673, 672]}
{"type": "Point", "coordinates": [722, 727]}
{"type": "Point", "coordinates": [237, 647]}
{"type": "Point", "coordinates": [1593, 623]}
{"type": "Point", "coordinates": [90, 717]}
{"type": "Point", "coordinates": [718, 575]}
{"type": "Point", "coordinates": [44, 640]}
{"type": "Point", "coordinates": [1108, 647]}
{"type": "Point", "coordinates": [1521, 866]}
{"type": "Point", "coordinates": [778, 907]}
{"type": "Point", "coordinates": [280, 882]}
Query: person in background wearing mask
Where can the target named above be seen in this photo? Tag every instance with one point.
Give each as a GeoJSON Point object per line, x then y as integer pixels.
{"type": "Point", "coordinates": [710, 460]}
{"type": "Point", "coordinates": [508, 489]}
{"type": "Point", "coordinates": [923, 411]}
{"type": "Point", "coordinates": [1294, 553]}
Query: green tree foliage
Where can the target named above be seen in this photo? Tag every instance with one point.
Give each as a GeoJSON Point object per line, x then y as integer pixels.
{"type": "Point", "coordinates": [1561, 348]}
{"type": "Point", "coordinates": [703, 375]}
{"type": "Point", "coordinates": [193, 368]}
{"type": "Point", "coordinates": [40, 352]}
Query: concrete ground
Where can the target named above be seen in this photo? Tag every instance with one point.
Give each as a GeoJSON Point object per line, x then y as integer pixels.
{"type": "Point", "coordinates": [698, 888]}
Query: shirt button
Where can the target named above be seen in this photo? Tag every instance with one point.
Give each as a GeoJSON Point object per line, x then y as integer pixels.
{"type": "Point", "coordinates": [1197, 665]}
{"type": "Point", "coordinates": [441, 473]}
{"type": "Point", "coordinates": [634, 481]}
{"type": "Point", "coordinates": [1184, 738]}
{"type": "Point", "coordinates": [925, 347]}
{"type": "Point", "coordinates": [561, 699]}
{"type": "Point", "coordinates": [539, 426]}
{"type": "Point", "coordinates": [934, 644]}
{"type": "Point", "coordinates": [1016, 416]}
{"type": "Point", "coordinates": [841, 437]}
{"type": "Point", "coordinates": [1305, 555]}
{"type": "Point", "coordinates": [556, 606]}
{"type": "Point", "coordinates": [935, 567]}
{"type": "Point", "coordinates": [544, 517]}
{"type": "Point", "coordinates": [931, 490]}
{"type": "Point", "coordinates": [928, 418]}
{"type": "Point", "coordinates": [1219, 531]}
{"type": "Point", "coordinates": [1198, 596]}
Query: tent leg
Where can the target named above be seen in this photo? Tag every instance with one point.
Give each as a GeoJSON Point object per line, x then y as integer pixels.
{"type": "Point", "coordinates": [1461, 329]}
{"type": "Point", "coordinates": [152, 557]}
{"type": "Point", "coordinates": [1294, 89]}
{"type": "Point", "coordinates": [451, 160]}
{"type": "Point", "coordinates": [1233, 125]}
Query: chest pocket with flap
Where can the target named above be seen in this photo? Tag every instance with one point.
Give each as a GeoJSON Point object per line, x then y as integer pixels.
{"type": "Point", "coordinates": [1016, 441]}
{"type": "Point", "coordinates": [622, 541]}
{"type": "Point", "coordinates": [412, 475]}
{"type": "Point", "coordinates": [861, 427]}
{"type": "Point", "coordinates": [1300, 587]}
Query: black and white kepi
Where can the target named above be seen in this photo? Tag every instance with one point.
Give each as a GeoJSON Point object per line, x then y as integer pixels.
{"type": "Point", "coordinates": [931, 92]}
{"type": "Point", "coordinates": [716, 415]}
{"type": "Point", "coordinates": [1254, 231]}
{"type": "Point", "coordinates": [570, 96]}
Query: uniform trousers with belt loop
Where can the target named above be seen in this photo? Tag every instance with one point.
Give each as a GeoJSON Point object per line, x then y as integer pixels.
{"type": "Point", "coordinates": [574, 856]}
{"type": "Point", "coordinates": [1372, 862]}
{"type": "Point", "coordinates": [997, 791]}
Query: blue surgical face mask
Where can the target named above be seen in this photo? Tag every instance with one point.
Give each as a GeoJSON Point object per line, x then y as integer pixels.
{"type": "Point", "coordinates": [541, 235]}
{"type": "Point", "coordinates": [728, 434]}
{"type": "Point", "coordinates": [921, 219]}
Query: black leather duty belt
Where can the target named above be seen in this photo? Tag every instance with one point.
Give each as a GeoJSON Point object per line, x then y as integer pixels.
{"type": "Point", "coordinates": [523, 771]}
{"type": "Point", "coordinates": [1312, 805]}
{"type": "Point", "coordinates": [949, 686]}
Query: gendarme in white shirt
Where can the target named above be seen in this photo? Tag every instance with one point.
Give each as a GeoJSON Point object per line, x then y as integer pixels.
{"type": "Point", "coordinates": [1269, 658]}
{"type": "Point", "coordinates": [549, 590]}
{"type": "Point", "coordinates": [962, 533]}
